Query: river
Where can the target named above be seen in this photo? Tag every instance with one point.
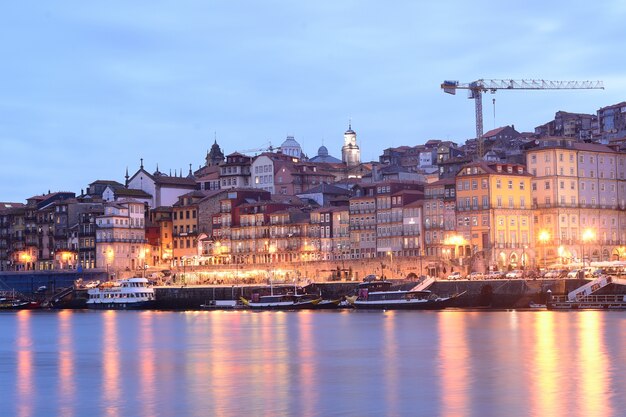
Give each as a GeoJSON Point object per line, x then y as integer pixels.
{"type": "Point", "coordinates": [317, 363]}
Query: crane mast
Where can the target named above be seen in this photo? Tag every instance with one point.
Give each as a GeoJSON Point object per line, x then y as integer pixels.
{"type": "Point", "coordinates": [477, 88]}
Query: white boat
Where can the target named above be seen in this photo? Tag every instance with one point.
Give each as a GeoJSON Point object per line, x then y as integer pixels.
{"type": "Point", "coordinates": [379, 295]}
{"type": "Point", "coordinates": [125, 294]}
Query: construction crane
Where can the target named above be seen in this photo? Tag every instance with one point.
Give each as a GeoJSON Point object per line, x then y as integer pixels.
{"type": "Point", "coordinates": [269, 148]}
{"type": "Point", "coordinates": [478, 87]}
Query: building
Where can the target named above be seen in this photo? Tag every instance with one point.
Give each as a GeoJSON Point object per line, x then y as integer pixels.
{"type": "Point", "coordinates": [185, 228]}
{"type": "Point", "coordinates": [235, 173]}
{"type": "Point", "coordinates": [612, 121]}
{"type": "Point", "coordinates": [579, 126]}
{"type": "Point", "coordinates": [324, 156]}
{"type": "Point", "coordinates": [439, 216]}
{"type": "Point", "coordinates": [350, 152]}
{"type": "Point", "coordinates": [164, 189]}
{"type": "Point", "coordinates": [493, 202]}
{"type": "Point", "coordinates": [579, 196]}
{"type": "Point", "coordinates": [120, 238]}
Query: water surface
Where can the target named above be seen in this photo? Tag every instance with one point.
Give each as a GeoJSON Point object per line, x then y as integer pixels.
{"type": "Point", "coordinates": [345, 363]}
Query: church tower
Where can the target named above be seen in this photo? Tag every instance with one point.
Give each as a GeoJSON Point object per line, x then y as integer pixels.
{"type": "Point", "coordinates": [215, 156]}
{"type": "Point", "coordinates": [350, 152]}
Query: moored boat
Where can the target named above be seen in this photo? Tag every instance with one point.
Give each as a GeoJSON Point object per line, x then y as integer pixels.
{"type": "Point", "coordinates": [16, 304]}
{"type": "Point", "coordinates": [379, 295]}
{"type": "Point", "coordinates": [125, 294]}
{"type": "Point", "coordinates": [590, 302]}
{"type": "Point", "coordinates": [289, 301]}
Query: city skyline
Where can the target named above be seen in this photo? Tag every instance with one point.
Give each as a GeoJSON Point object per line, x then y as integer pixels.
{"type": "Point", "coordinates": [89, 91]}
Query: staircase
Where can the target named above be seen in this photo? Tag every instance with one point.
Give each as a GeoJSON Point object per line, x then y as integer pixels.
{"type": "Point", "coordinates": [421, 286]}
{"type": "Point", "coordinates": [592, 286]}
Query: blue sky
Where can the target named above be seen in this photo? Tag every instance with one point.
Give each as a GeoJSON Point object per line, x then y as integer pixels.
{"type": "Point", "coordinates": [88, 89]}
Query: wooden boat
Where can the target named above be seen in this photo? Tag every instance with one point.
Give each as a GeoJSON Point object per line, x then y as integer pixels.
{"type": "Point", "coordinates": [378, 295]}
{"type": "Point", "coordinates": [328, 304]}
{"type": "Point", "coordinates": [289, 301]}
{"type": "Point", "coordinates": [16, 304]}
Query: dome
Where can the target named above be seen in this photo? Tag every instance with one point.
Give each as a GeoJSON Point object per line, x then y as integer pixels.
{"type": "Point", "coordinates": [322, 151]}
{"type": "Point", "coordinates": [290, 142]}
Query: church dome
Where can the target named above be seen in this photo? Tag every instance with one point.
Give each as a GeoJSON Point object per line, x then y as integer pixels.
{"type": "Point", "coordinates": [291, 147]}
{"type": "Point", "coordinates": [322, 151]}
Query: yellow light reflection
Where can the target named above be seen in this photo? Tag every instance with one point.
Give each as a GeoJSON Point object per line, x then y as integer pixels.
{"type": "Point", "coordinates": [67, 387]}
{"type": "Point", "coordinates": [147, 363]}
{"type": "Point", "coordinates": [390, 353]}
{"type": "Point", "coordinates": [111, 390]}
{"type": "Point", "coordinates": [454, 357]}
{"type": "Point", "coordinates": [306, 359]}
{"type": "Point", "coordinates": [545, 400]}
{"type": "Point", "coordinates": [24, 341]}
{"type": "Point", "coordinates": [594, 396]}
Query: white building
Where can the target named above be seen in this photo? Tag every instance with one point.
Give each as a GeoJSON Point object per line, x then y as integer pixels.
{"type": "Point", "coordinates": [120, 237]}
{"type": "Point", "coordinates": [164, 189]}
{"type": "Point", "coordinates": [350, 152]}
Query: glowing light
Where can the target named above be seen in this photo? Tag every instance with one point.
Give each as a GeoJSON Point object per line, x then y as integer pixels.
{"type": "Point", "coordinates": [544, 236]}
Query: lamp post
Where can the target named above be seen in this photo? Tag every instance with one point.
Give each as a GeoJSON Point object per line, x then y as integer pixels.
{"type": "Point", "coordinates": [588, 236]}
{"type": "Point", "coordinates": [419, 253]}
{"type": "Point", "coordinates": [544, 236]}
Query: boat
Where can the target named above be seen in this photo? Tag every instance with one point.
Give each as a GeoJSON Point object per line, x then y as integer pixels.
{"type": "Point", "coordinates": [10, 300]}
{"type": "Point", "coordinates": [289, 301]}
{"type": "Point", "coordinates": [222, 305]}
{"type": "Point", "coordinates": [325, 304]}
{"type": "Point", "coordinates": [534, 305]}
{"type": "Point", "coordinates": [586, 297]}
{"type": "Point", "coordinates": [380, 296]}
{"type": "Point", "coordinates": [125, 294]}
{"type": "Point", "coordinates": [590, 302]}
{"type": "Point", "coordinates": [16, 304]}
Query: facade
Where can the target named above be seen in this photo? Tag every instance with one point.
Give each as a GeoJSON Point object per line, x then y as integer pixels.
{"type": "Point", "coordinates": [164, 189]}
{"type": "Point", "coordinates": [185, 228]}
{"type": "Point", "coordinates": [159, 231]}
{"type": "Point", "coordinates": [579, 196]}
{"type": "Point", "coordinates": [439, 208]}
{"type": "Point", "coordinates": [493, 216]}
{"type": "Point", "coordinates": [235, 173]}
{"type": "Point", "coordinates": [612, 121]}
{"type": "Point", "coordinates": [120, 237]}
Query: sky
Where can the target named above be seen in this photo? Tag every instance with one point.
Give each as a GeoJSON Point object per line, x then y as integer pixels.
{"type": "Point", "coordinates": [89, 88]}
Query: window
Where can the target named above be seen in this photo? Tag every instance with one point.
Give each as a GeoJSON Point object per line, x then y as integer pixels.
{"type": "Point", "coordinates": [546, 185]}
{"type": "Point", "coordinates": [521, 185]}
{"type": "Point", "coordinates": [498, 184]}
{"type": "Point", "coordinates": [510, 184]}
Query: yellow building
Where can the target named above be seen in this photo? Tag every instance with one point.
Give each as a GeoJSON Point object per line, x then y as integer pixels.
{"type": "Point", "coordinates": [185, 229]}
{"type": "Point", "coordinates": [494, 216]}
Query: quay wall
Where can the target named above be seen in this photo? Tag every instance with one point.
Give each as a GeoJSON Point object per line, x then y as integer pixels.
{"type": "Point", "coordinates": [27, 282]}
{"type": "Point", "coordinates": [495, 294]}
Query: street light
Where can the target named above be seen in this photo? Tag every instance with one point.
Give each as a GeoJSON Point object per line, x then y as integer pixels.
{"type": "Point", "coordinates": [544, 237]}
{"type": "Point", "coordinates": [588, 236]}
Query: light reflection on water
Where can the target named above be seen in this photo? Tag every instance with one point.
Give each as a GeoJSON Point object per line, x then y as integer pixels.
{"type": "Point", "coordinates": [344, 363]}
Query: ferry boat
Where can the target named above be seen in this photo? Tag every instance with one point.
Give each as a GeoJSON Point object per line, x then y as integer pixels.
{"type": "Point", "coordinates": [589, 302]}
{"type": "Point", "coordinates": [586, 297]}
{"type": "Point", "coordinates": [379, 295]}
{"type": "Point", "coordinates": [125, 294]}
